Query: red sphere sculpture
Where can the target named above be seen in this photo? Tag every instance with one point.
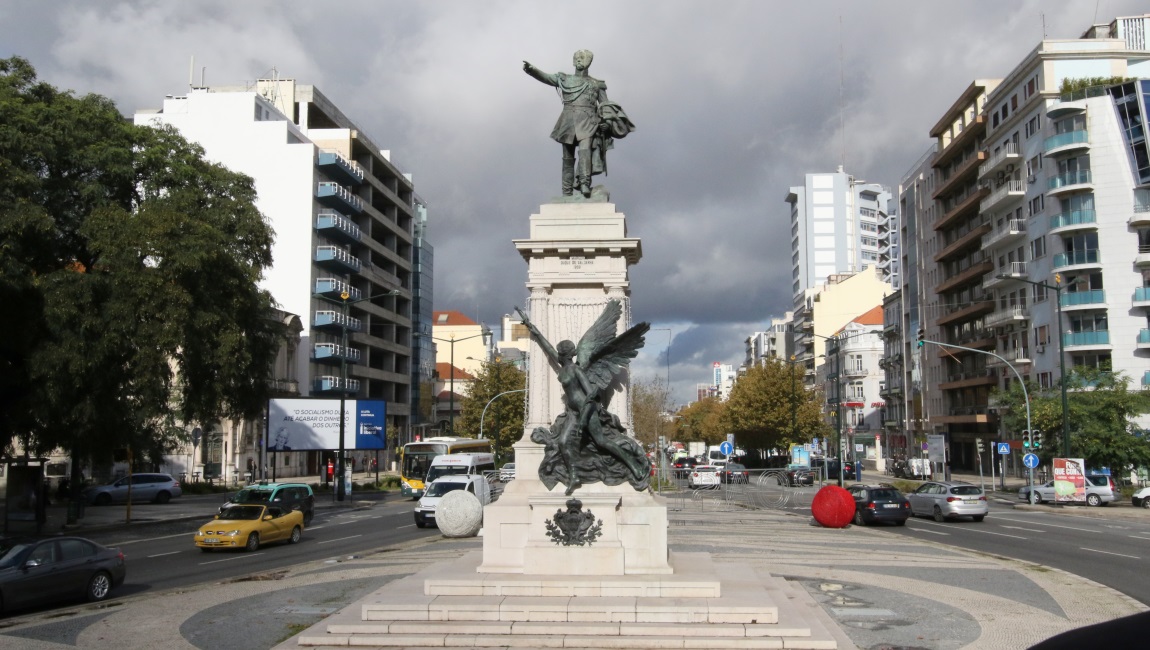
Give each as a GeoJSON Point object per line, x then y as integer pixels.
{"type": "Point", "coordinates": [833, 507]}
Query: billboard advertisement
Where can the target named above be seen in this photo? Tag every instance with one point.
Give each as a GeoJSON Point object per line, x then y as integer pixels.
{"type": "Point", "coordinates": [1069, 480]}
{"type": "Point", "coordinates": [313, 424]}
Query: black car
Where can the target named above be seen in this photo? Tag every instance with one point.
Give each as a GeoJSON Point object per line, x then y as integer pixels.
{"type": "Point", "coordinates": [733, 473]}
{"type": "Point", "coordinates": [60, 569]}
{"type": "Point", "coordinates": [876, 503]}
{"type": "Point", "coordinates": [832, 468]}
{"type": "Point", "coordinates": [286, 496]}
{"type": "Point", "coordinates": [683, 466]}
{"type": "Point", "coordinates": [800, 476]}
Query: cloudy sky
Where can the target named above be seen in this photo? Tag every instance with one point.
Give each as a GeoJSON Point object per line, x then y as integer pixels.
{"type": "Point", "coordinates": [734, 101]}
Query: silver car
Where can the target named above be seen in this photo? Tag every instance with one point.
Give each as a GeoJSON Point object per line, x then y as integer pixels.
{"type": "Point", "coordinates": [159, 488]}
{"type": "Point", "coordinates": [1098, 492]}
{"type": "Point", "coordinates": [948, 500]}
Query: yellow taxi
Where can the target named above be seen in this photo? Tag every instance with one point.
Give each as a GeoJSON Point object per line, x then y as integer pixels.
{"type": "Point", "coordinates": [247, 526]}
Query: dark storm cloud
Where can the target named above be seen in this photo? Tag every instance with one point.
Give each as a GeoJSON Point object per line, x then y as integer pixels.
{"type": "Point", "coordinates": [734, 103]}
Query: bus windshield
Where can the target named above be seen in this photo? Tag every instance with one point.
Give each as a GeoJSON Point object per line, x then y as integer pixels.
{"type": "Point", "coordinates": [444, 470]}
{"type": "Point", "coordinates": [417, 463]}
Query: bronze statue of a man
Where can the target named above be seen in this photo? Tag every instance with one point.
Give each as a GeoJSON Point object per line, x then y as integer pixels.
{"type": "Point", "coordinates": [588, 123]}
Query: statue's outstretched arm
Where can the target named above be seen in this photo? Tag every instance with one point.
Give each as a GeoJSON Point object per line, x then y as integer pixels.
{"type": "Point", "coordinates": [539, 75]}
{"type": "Point", "coordinates": [548, 349]}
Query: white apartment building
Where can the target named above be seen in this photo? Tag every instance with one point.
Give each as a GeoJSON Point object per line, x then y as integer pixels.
{"type": "Point", "coordinates": [775, 343]}
{"type": "Point", "coordinates": [854, 381]}
{"type": "Point", "coordinates": [343, 217]}
{"type": "Point", "coordinates": [835, 228]}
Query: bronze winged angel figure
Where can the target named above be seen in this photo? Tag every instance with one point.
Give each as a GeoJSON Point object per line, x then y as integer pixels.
{"type": "Point", "coordinates": [587, 443]}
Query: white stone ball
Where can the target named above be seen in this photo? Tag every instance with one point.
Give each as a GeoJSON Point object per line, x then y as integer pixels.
{"type": "Point", "coordinates": [459, 514]}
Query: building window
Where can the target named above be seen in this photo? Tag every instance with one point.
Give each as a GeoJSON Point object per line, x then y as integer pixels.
{"type": "Point", "coordinates": [1037, 248]}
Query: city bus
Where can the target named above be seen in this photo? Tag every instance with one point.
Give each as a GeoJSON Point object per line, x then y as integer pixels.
{"type": "Point", "coordinates": [415, 458]}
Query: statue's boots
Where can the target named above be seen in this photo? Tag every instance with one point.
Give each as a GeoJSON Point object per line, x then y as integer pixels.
{"type": "Point", "coordinates": [585, 173]}
{"type": "Point", "coordinates": [568, 175]}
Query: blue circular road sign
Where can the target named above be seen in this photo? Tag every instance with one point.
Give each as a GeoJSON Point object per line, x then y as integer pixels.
{"type": "Point", "coordinates": [726, 448]}
{"type": "Point", "coordinates": [1030, 460]}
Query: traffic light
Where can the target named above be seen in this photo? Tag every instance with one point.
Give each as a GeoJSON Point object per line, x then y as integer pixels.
{"type": "Point", "coordinates": [978, 442]}
{"type": "Point", "coordinates": [1057, 278]}
{"type": "Point", "coordinates": [1037, 440]}
{"type": "Point", "coordinates": [921, 336]}
{"type": "Point", "coordinates": [1026, 440]}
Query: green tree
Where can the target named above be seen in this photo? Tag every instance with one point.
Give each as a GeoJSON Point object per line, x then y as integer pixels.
{"type": "Point", "coordinates": [498, 388]}
{"type": "Point", "coordinates": [650, 404]}
{"type": "Point", "coordinates": [129, 269]}
{"type": "Point", "coordinates": [1101, 411]}
{"type": "Point", "coordinates": [701, 421]}
{"type": "Point", "coordinates": [770, 409]}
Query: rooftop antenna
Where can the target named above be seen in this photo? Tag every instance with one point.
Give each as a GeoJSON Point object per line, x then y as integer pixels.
{"type": "Point", "coordinates": [203, 71]}
{"type": "Point", "coordinates": [1043, 26]}
{"type": "Point", "coordinates": [192, 72]}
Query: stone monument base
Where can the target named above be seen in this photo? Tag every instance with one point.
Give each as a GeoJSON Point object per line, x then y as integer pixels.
{"type": "Point", "coordinates": [703, 604]}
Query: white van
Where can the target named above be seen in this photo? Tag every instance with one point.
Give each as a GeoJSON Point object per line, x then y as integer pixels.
{"type": "Point", "coordinates": [450, 464]}
{"type": "Point", "coordinates": [473, 483]}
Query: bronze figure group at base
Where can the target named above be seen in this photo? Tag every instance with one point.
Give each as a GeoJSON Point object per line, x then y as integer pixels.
{"type": "Point", "coordinates": [587, 443]}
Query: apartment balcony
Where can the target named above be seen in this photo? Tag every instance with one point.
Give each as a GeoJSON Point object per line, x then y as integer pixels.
{"type": "Point", "coordinates": [1142, 259]}
{"type": "Point", "coordinates": [970, 275]}
{"type": "Point", "coordinates": [972, 239]}
{"type": "Point", "coordinates": [339, 168]}
{"type": "Point", "coordinates": [336, 197]}
{"type": "Point", "coordinates": [1015, 357]}
{"type": "Point", "coordinates": [283, 387]}
{"type": "Point", "coordinates": [335, 288]}
{"type": "Point", "coordinates": [1081, 259]}
{"type": "Point", "coordinates": [1097, 339]}
{"type": "Point", "coordinates": [966, 312]}
{"type": "Point", "coordinates": [975, 127]}
{"type": "Point", "coordinates": [855, 372]}
{"type": "Point", "coordinates": [1010, 232]}
{"type": "Point", "coordinates": [959, 174]}
{"type": "Point", "coordinates": [1092, 299]}
{"type": "Point", "coordinates": [999, 160]}
{"type": "Point", "coordinates": [337, 227]}
{"type": "Point", "coordinates": [969, 379]}
{"type": "Point", "coordinates": [332, 353]}
{"type": "Point", "coordinates": [964, 208]}
{"type": "Point", "coordinates": [1144, 339]}
{"type": "Point", "coordinates": [966, 415]}
{"type": "Point", "coordinates": [1069, 182]}
{"type": "Point", "coordinates": [1008, 316]}
{"type": "Point", "coordinates": [1007, 193]}
{"type": "Point", "coordinates": [327, 319]}
{"type": "Point", "coordinates": [1065, 142]}
{"type": "Point", "coordinates": [1074, 220]}
{"type": "Point", "coordinates": [329, 385]}
{"type": "Point", "coordinates": [1142, 297]}
{"type": "Point", "coordinates": [1141, 216]}
{"type": "Point", "coordinates": [337, 259]}
{"type": "Point", "coordinates": [1069, 104]}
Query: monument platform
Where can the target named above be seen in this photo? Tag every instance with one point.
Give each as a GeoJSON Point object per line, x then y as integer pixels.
{"type": "Point", "coordinates": [703, 604]}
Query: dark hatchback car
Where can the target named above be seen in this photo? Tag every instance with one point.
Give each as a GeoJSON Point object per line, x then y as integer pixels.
{"type": "Point", "coordinates": [57, 570]}
{"type": "Point", "coordinates": [683, 466]}
{"type": "Point", "coordinates": [286, 496]}
{"type": "Point", "coordinates": [879, 503]}
{"type": "Point", "coordinates": [733, 473]}
{"type": "Point", "coordinates": [800, 476]}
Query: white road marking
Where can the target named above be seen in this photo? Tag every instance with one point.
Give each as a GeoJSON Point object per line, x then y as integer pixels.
{"type": "Point", "coordinates": [933, 532]}
{"type": "Point", "coordinates": [1029, 530]}
{"type": "Point", "coordinates": [1137, 537]}
{"type": "Point", "coordinates": [163, 554]}
{"type": "Point", "coordinates": [326, 541]}
{"type": "Point", "coordinates": [149, 539]}
{"type": "Point", "coordinates": [987, 532]}
{"type": "Point", "coordinates": [229, 559]}
{"type": "Point", "coordinates": [1022, 521]}
{"type": "Point", "coordinates": [407, 526]}
{"type": "Point", "coordinates": [314, 527]}
{"type": "Point", "coordinates": [1094, 550]}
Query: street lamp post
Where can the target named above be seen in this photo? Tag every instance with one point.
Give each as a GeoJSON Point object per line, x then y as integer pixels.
{"type": "Point", "coordinates": [484, 415]}
{"type": "Point", "coordinates": [346, 303]}
{"type": "Point", "coordinates": [1057, 287]}
{"type": "Point", "coordinates": [486, 334]}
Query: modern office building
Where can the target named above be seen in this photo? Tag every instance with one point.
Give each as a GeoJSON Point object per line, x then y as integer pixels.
{"type": "Point", "coordinates": [423, 371]}
{"type": "Point", "coordinates": [835, 229]}
{"type": "Point", "coordinates": [344, 220]}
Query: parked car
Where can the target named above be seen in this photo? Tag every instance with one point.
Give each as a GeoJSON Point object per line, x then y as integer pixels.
{"type": "Point", "coordinates": [474, 483]}
{"type": "Point", "coordinates": [1141, 498]}
{"type": "Point", "coordinates": [247, 526]}
{"type": "Point", "coordinates": [831, 468]}
{"type": "Point", "coordinates": [948, 500]}
{"type": "Point", "coordinates": [160, 488]}
{"type": "Point", "coordinates": [58, 569]}
{"type": "Point", "coordinates": [285, 496]}
{"type": "Point", "coordinates": [1098, 491]}
{"type": "Point", "coordinates": [682, 466]}
{"type": "Point", "coordinates": [507, 472]}
{"type": "Point", "coordinates": [733, 473]}
{"type": "Point", "coordinates": [879, 503]}
{"type": "Point", "coordinates": [800, 476]}
{"type": "Point", "coordinates": [703, 476]}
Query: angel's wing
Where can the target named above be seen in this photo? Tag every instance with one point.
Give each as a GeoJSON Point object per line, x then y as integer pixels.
{"type": "Point", "coordinates": [601, 354]}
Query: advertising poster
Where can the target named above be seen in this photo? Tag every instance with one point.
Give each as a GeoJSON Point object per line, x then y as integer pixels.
{"type": "Point", "coordinates": [1069, 480]}
{"type": "Point", "coordinates": [800, 455]}
{"type": "Point", "coordinates": [313, 424]}
{"type": "Point", "coordinates": [937, 448]}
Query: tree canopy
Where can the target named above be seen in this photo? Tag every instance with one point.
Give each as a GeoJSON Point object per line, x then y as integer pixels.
{"type": "Point", "coordinates": [650, 404]}
{"type": "Point", "coordinates": [128, 270]}
{"type": "Point", "coordinates": [770, 409]}
{"type": "Point", "coordinates": [1101, 411]}
{"type": "Point", "coordinates": [498, 388]}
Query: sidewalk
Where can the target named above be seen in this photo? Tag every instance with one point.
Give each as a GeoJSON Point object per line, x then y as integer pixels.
{"type": "Point", "coordinates": [883, 589]}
